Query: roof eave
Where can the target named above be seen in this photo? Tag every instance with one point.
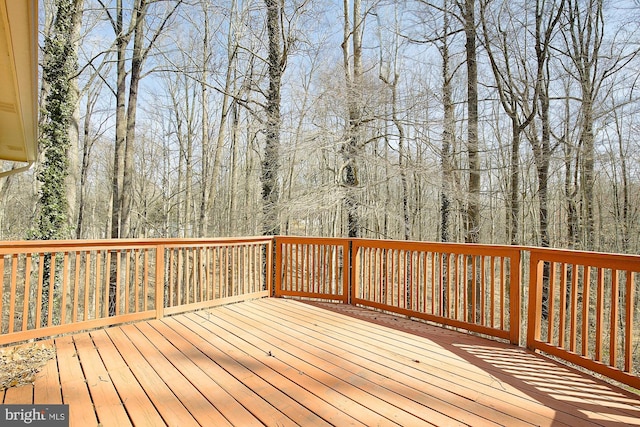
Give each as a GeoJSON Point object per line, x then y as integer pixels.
{"type": "Point", "coordinates": [19, 79]}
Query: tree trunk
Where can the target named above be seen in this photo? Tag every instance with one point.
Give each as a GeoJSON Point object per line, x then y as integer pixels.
{"type": "Point", "coordinates": [73, 178]}
{"type": "Point", "coordinates": [448, 133]}
{"type": "Point", "coordinates": [472, 223]}
{"type": "Point", "coordinates": [206, 186]}
{"type": "Point", "coordinates": [59, 66]}
{"type": "Point", "coordinates": [132, 109]}
{"type": "Point", "coordinates": [92, 98]}
{"type": "Point", "coordinates": [351, 148]}
{"type": "Point", "coordinates": [271, 159]}
{"type": "Point", "coordinates": [122, 40]}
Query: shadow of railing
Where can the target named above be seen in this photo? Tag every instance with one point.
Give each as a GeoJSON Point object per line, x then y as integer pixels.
{"type": "Point", "coordinates": [528, 379]}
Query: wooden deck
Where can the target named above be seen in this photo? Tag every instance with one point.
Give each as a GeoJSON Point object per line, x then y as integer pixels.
{"type": "Point", "coordinates": [284, 362]}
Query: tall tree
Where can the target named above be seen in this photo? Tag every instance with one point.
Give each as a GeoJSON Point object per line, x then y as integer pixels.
{"type": "Point", "coordinates": [448, 131]}
{"type": "Point", "coordinates": [472, 214]}
{"type": "Point", "coordinates": [73, 178]}
{"type": "Point", "coordinates": [126, 111]}
{"type": "Point", "coordinates": [206, 189]}
{"type": "Point", "coordinates": [60, 65]}
{"type": "Point", "coordinates": [390, 69]}
{"type": "Point", "coordinates": [595, 53]}
{"type": "Point", "coordinates": [348, 175]}
{"type": "Point", "coordinates": [271, 157]}
{"type": "Point", "coordinates": [548, 14]}
{"type": "Point", "coordinates": [584, 40]}
{"type": "Point", "coordinates": [227, 106]}
{"type": "Point", "coordinates": [127, 101]}
{"type": "Point", "coordinates": [518, 82]}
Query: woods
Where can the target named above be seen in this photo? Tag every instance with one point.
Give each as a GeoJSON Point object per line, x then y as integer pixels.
{"type": "Point", "coordinates": [486, 121]}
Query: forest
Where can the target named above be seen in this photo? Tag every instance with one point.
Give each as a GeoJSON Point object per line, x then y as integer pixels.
{"type": "Point", "coordinates": [479, 121]}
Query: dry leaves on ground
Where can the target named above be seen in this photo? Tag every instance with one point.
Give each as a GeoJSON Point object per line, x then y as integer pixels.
{"type": "Point", "coordinates": [19, 365]}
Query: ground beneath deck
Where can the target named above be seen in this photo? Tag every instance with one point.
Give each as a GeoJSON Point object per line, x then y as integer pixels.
{"type": "Point", "coordinates": [284, 362]}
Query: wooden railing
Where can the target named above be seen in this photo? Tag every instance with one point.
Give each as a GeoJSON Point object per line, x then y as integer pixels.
{"type": "Point", "coordinates": [201, 274]}
{"type": "Point", "coordinates": [312, 268]}
{"type": "Point", "coordinates": [592, 312]}
{"type": "Point", "coordinates": [57, 287]}
{"type": "Point", "coordinates": [582, 307]}
{"type": "Point", "coordinates": [474, 287]}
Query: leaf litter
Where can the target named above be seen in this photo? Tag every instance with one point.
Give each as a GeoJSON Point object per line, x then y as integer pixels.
{"type": "Point", "coordinates": [19, 365]}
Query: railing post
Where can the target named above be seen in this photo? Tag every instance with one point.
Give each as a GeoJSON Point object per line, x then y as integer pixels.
{"type": "Point", "coordinates": [352, 269]}
{"type": "Point", "coordinates": [159, 282]}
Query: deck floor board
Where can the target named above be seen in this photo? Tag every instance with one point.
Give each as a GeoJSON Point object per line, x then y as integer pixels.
{"type": "Point", "coordinates": [281, 362]}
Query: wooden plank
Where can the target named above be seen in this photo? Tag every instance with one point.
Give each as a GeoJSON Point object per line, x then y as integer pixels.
{"type": "Point", "coordinates": [166, 403]}
{"type": "Point", "coordinates": [282, 392]}
{"type": "Point", "coordinates": [613, 319]}
{"type": "Point", "coordinates": [26, 302]}
{"type": "Point", "coordinates": [2, 294]}
{"type": "Point", "coordinates": [47, 388]}
{"type": "Point", "coordinates": [107, 403]}
{"type": "Point", "coordinates": [65, 287]}
{"type": "Point", "coordinates": [586, 288]}
{"type": "Point", "coordinates": [141, 410]}
{"type": "Point", "coordinates": [196, 403]}
{"type": "Point", "coordinates": [599, 314]}
{"type": "Point", "coordinates": [628, 317]}
{"type": "Point", "coordinates": [13, 293]}
{"type": "Point", "coordinates": [86, 286]}
{"type": "Point", "coordinates": [74, 387]}
{"type": "Point", "coordinates": [39, 290]}
{"type": "Point", "coordinates": [320, 361]}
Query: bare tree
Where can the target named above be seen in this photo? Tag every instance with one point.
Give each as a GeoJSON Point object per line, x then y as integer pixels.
{"type": "Point", "coordinates": [541, 146]}
{"type": "Point", "coordinates": [126, 109]}
{"type": "Point", "coordinates": [390, 68]}
{"type": "Point", "coordinates": [73, 178]}
{"type": "Point", "coordinates": [348, 174]}
{"type": "Point", "coordinates": [271, 158]}
{"type": "Point", "coordinates": [518, 82]}
{"type": "Point", "coordinates": [448, 131]}
{"type": "Point", "coordinates": [594, 58]}
{"type": "Point", "coordinates": [467, 18]}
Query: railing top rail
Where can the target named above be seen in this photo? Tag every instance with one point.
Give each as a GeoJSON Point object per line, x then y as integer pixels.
{"type": "Point", "coordinates": [454, 248]}
{"type": "Point", "coordinates": [600, 259]}
{"type": "Point", "coordinates": [29, 246]}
